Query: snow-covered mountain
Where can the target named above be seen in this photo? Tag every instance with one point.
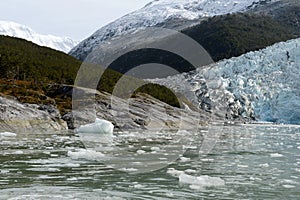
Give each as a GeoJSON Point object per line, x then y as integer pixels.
{"type": "Point", "coordinates": [264, 85]}
{"type": "Point", "coordinates": [159, 12]}
{"type": "Point", "coordinates": [20, 31]}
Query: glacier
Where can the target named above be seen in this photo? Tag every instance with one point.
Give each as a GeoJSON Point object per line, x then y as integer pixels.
{"type": "Point", "coordinates": [159, 12]}
{"type": "Point", "coordinates": [263, 85]}
{"type": "Point", "coordinates": [13, 29]}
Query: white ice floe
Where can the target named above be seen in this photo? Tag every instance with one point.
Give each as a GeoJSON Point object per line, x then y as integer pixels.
{"type": "Point", "coordinates": [140, 152]}
{"type": "Point", "coordinates": [99, 126]}
{"type": "Point", "coordinates": [155, 149]}
{"type": "Point", "coordinates": [8, 134]}
{"type": "Point", "coordinates": [264, 165]}
{"type": "Point", "coordinates": [129, 169]}
{"type": "Point", "coordinates": [288, 186]}
{"type": "Point", "coordinates": [200, 182]}
{"type": "Point", "coordinates": [174, 172]}
{"type": "Point", "coordinates": [276, 155]}
{"type": "Point", "coordinates": [184, 159]}
{"type": "Point", "coordinates": [19, 152]}
{"type": "Point", "coordinates": [86, 154]}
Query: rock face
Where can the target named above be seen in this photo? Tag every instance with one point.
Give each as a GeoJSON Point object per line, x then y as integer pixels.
{"type": "Point", "coordinates": [148, 113]}
{"type": "Point", "coordinates": [139, 112]}
{"type": "Point", "coordinates": [16, 116]}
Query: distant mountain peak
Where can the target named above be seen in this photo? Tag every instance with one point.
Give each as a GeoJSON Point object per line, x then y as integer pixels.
{"type": "Point", "coordinates": [13, 29]}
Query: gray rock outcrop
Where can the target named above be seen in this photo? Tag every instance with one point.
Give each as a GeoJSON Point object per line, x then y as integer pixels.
{"type": "Point", "coordinates": [16, 116]}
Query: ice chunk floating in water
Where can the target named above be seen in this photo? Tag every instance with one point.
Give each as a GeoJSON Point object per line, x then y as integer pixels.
{"type": "Point", "coordinates": [8, 134]}
{"type": "Point", "coordinates": [201, 181]}
{"type": "Point", "coordinates": [86, 154]}
{"type": "Point", "coordinates": [99, 126]}
{"type": "Point", "coordinates": [96, 134]}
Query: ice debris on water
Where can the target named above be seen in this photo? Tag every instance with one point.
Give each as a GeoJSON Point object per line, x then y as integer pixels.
{"type": "Point", "coordinates": [200, 182]}
{"type": "Point", "coordinates": [86, 154]}
{"type": "Point", "coordinates": [276, 155]}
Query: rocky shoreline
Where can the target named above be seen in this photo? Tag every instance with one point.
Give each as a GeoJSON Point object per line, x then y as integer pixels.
{"type": "Point", "coordinates": [139, 112]}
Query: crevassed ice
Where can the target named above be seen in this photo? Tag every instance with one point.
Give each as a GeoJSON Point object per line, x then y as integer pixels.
{"type": "Point", "coordinates": [264, 84]}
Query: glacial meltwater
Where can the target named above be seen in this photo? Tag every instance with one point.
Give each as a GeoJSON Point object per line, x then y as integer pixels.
{"type": "Point", "coordinates": [218, 162]}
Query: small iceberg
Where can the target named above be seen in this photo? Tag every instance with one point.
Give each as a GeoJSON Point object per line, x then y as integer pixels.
{"type": "Point", "coordinates": [97, 134]}
{"type": "Point", "coordinates": [99, 126]}
{"type": "Point", "coordinates": [200, 182]}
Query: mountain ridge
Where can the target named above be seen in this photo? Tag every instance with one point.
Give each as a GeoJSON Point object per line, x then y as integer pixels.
{"type": "Point", "coordinates": [158, 12]}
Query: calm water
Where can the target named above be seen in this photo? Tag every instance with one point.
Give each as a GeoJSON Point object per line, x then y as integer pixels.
{"type": "Point", "coordinates": [231, 162]}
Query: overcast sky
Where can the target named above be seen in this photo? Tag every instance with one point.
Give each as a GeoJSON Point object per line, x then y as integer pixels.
{"type": "Point", "coordinates": [77, 19]}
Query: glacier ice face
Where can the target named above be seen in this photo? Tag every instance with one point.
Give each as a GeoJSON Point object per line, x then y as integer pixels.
{"type": "Point", "coordinates": [99, 126]}
{"type": "Point", "coordinates": [159, 12]}
{"type": "Point", "coordinates": [264, 85]}
{"type": "Point", "coordinates": [20, 31]}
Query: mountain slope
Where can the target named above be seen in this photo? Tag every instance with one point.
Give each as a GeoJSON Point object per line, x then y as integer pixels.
{"type": "Point", "coordinates": [263, 85]}
{"type": "Point", "coordinates": [284, 11]}
{"type": "Point", "coordinates": [32, 73]}
{"type": "Point", "coordinates": [20, 31]}
{"type": "Point", "coordinates": [233, 35]}
{"type": "Point", "coordinates": [160, 12]}
{"type": "Point", "coordinates": [23, 60]}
